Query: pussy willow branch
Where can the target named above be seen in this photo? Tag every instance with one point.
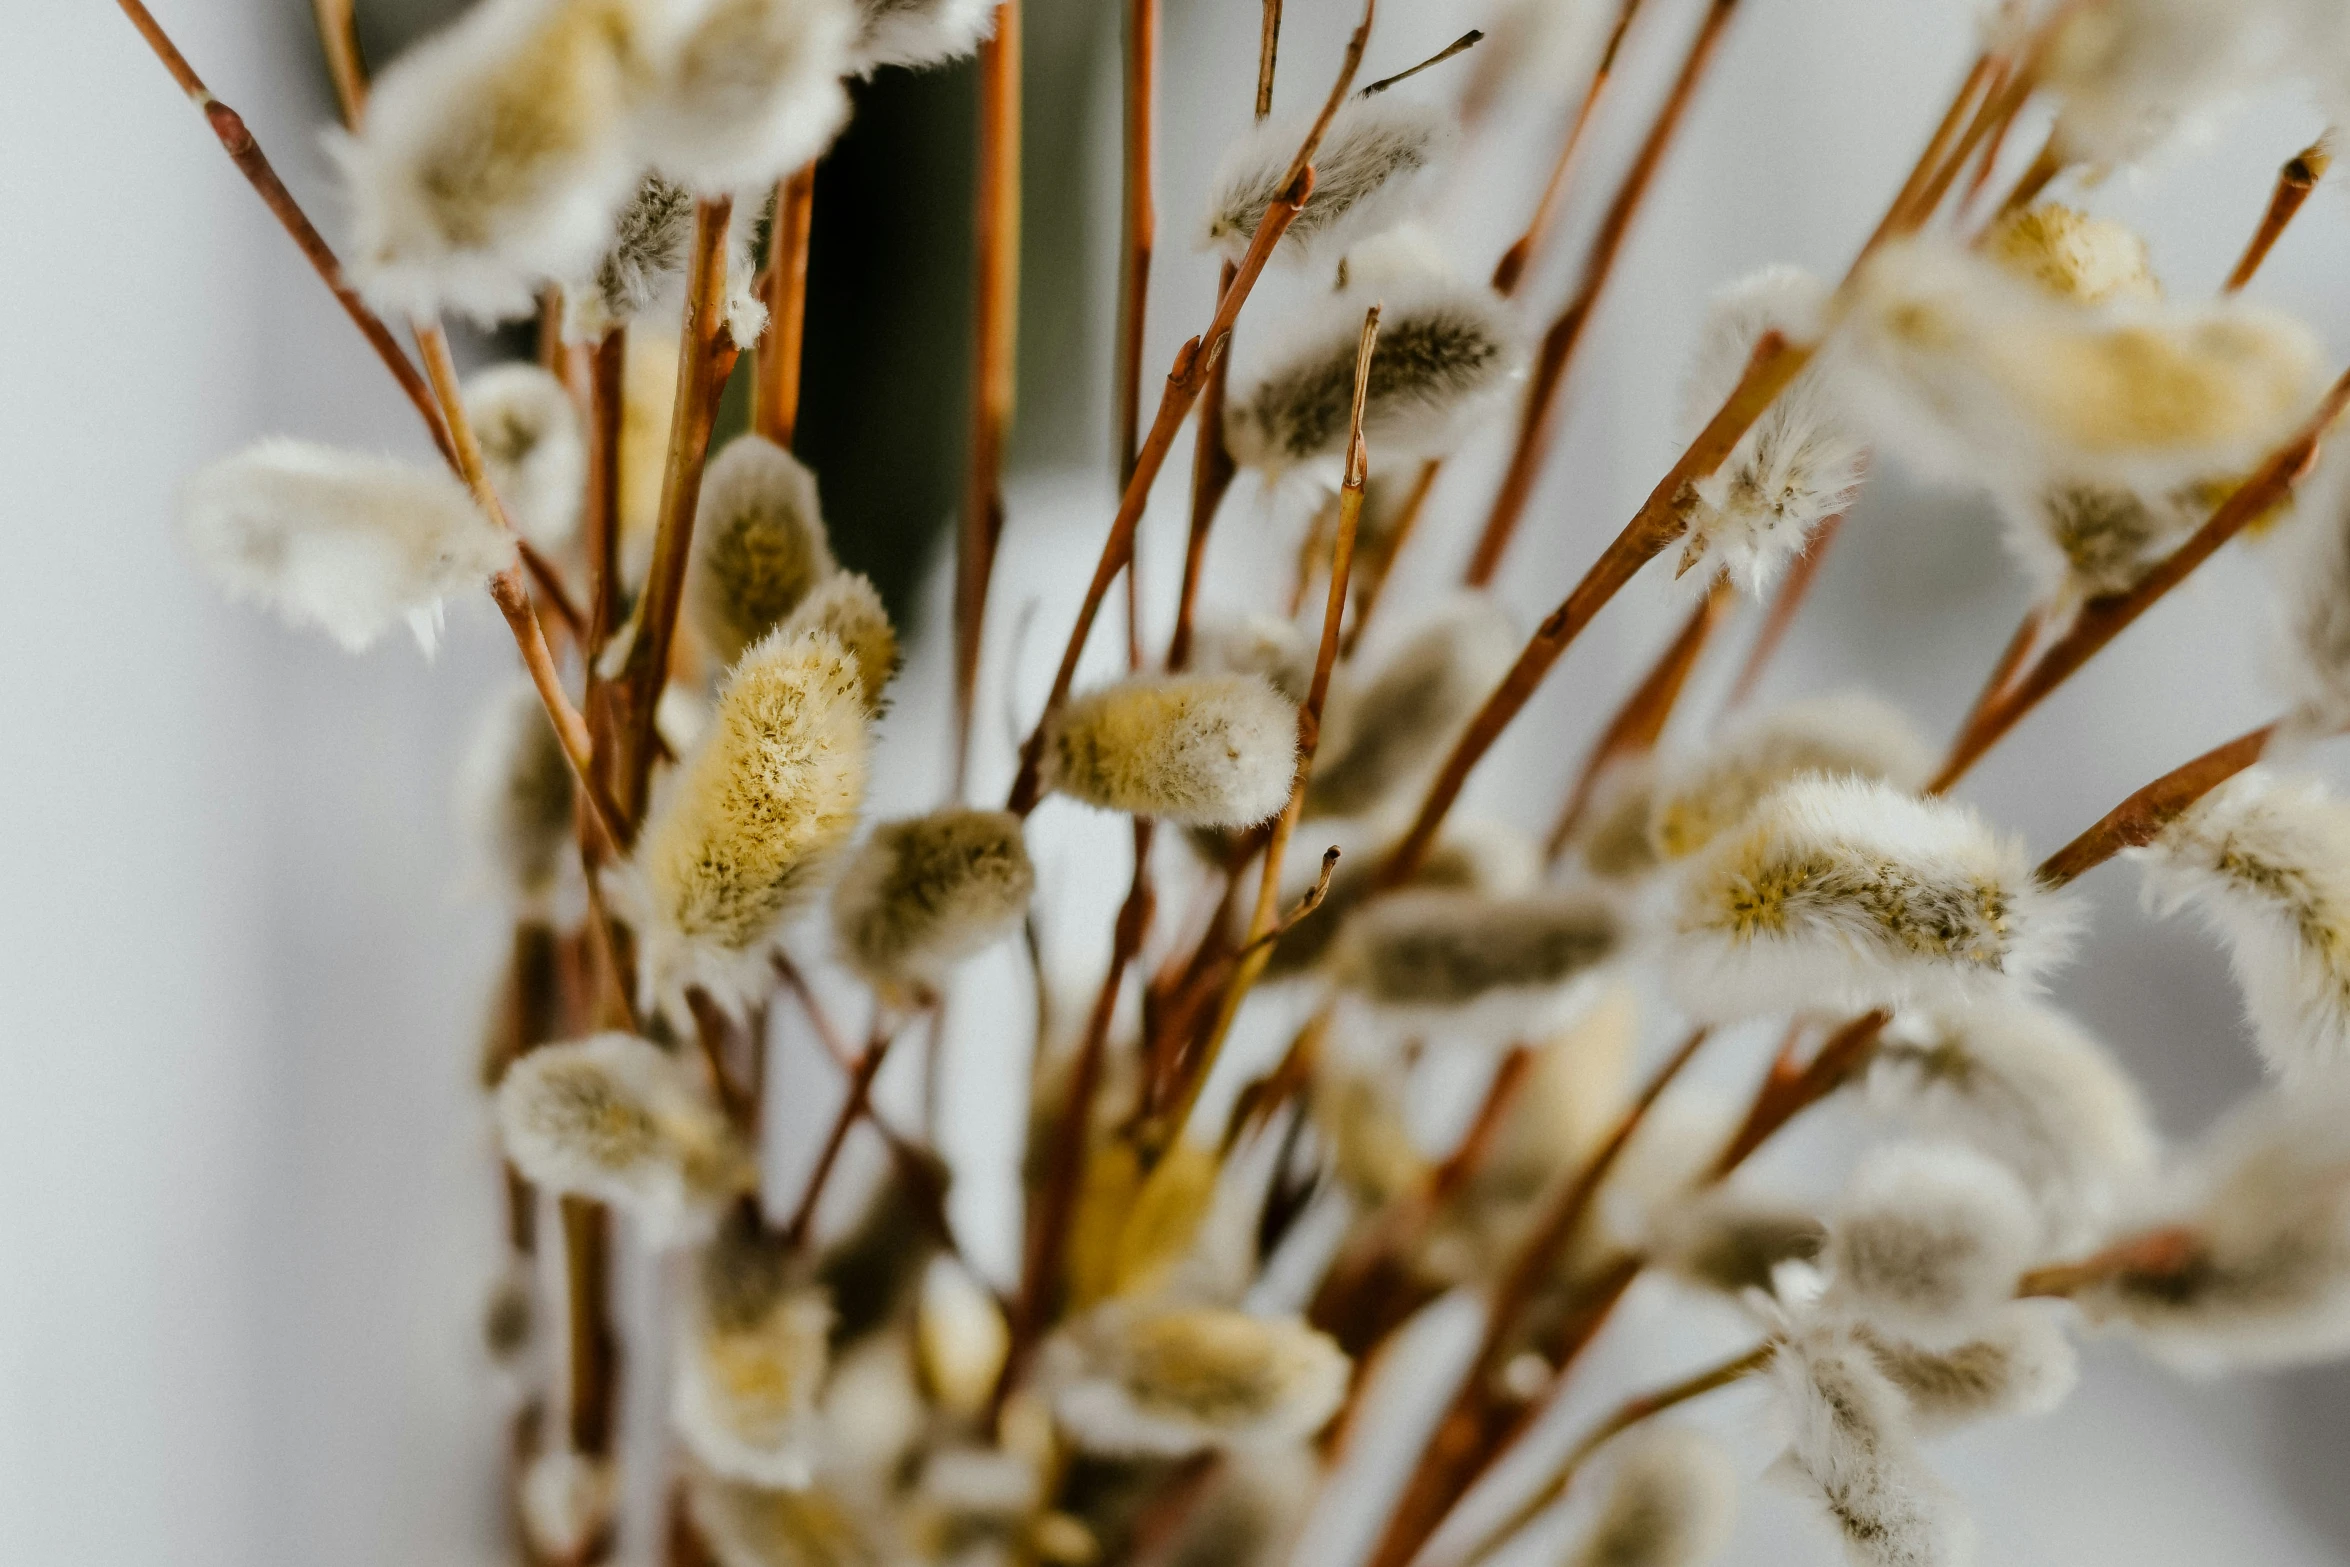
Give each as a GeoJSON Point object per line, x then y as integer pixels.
{"type": "Point", "coordinates": [860, 1095]}
{"type": "Point", "coordinates": [1139, 220]}
{"type": "Point", "coordinates": [600, 517]}
{"type": "Point", "coordinates": [1257, 950]}
{"type": "Point", "coordinates": [1537, 419]}
{"type": "Point", "coordinates": [1640, 722]}
{"type": "Point", "coordinates": [2295, 181]}
{"type": "Point", "coordinates": [594, 1350]}
{"type": "Point", "coordinates": [2140, 819]}
{"type": "Point", "coordinates": [1791, 1087]}
{"type": "Point", "coordinates": [995, 326]}
{"type": "Point", "coordinates": [1630, 1413]}
{"type": "Point", "coordinates": [338, 37]}
{"type": "Point", "coordinates": [1268, 55]}
{"type": "Point", "coordinates": [2163, 1253]}
{"type": "Point", "coordinates": [546, 581]}
{"type": "Point", "coordinates": [1901, 213]}
{"type": "Point", "coordinates": [1786, 604]}
{"type": "Point", "coordinates": [783, 346]}
{"type": "Point", "coordinates": [2102, 619]}
{"type": "Point", "coordinates": [1515, 260]}
{"type": "Point", "coordinates": [1375, 568]}
{"type": "Point", "coordinates": [704, 359]}
{"type": "Point", "coordinates": [237, 141]}
{"type": "Point", "coordinates": [1661, 519]}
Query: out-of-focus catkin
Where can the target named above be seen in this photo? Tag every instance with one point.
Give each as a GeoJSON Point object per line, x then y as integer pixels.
{"type": "Point", "coordinates": [926, 892]}
{"type": "Point", "coordinates": [534, 449]}
{"type": "Point", "coordinates": [515, 794]}
{"type": "Point", "coordinates": [1203, 750]}
{"type": "Point", "coordinates": [759, 544]}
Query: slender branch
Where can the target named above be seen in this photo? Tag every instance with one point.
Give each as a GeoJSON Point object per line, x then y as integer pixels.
{"type": "Point", "coordinates": [1466, 41]}
{"type": "Point", "coordinates": [338, 36]}
{"type": "Point", "coordinates": [1139, 219]}
{"type": "Point", "coordinates": [995, 323]}
{"type": "Point", "coordinates": [547, 579]}
{"type": "Point", "coordinates": [2011, 658]}
{"type": "Point", "coordinates": [1212, 471]}
{"type": "Point", "coordinates": [1660, 520]}
{"type": "Point", "coordinates": [2295, 181]}
{"type": "Point", "coordinates": [1627, 1415]}
{"type": "Point", "coordinates": [1536, 421]}
{"type": "Point", "coordinates": [2138, 820]}
{"type": "Point", "coordinates": [1640, 722]}
{"type": "Point", "coordinates": [1802, 573]}
{"type": "Point", "coordinates": [2160, 1253]}
{"type": "Point", "coordinates": [2103, 619]}
{"type": "Point", "coordinates": [245, 152]}
{"type": "Point", "coordinates": [828, 1037]}
{"type": "Point", "coordinates": [595, 1351]}
{"type": "Point", "coordinates": [1512, 267]}
{"type": "Point", "coordinates": [1982, 78]}
{"type": "Point", "coordinates": [1788, 1089]}
{"type": "Point", "coordinates": [860, 1093]}
{"type": "Point", "coordinates": [600, 518]}
{"type": "Point", "coordinates": [784, 345]}
{"type": "Point", "coordinates": [1268, 54]}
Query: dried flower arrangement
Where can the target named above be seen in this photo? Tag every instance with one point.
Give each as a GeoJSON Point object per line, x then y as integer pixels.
{"type": "Point", "coordinates": [674, 807]}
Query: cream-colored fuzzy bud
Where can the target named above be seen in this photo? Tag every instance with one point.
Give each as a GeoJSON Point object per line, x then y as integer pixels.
{"type": "Point", "coordinates": [751, 1359]}
{"type": "Point", "coordinates": [2265, 860]}
{"type": "Point", "coordinates": [761, 1526]}
{"type": "Point", "coordinates": [1481, 856]}
{"type": "Point", "coordinates": [533, 447]}
{"type": "Point", "coordinates": [1391, 730]}
{"type": "Point", "coordinates": [566, 1502]}
{"type": "Point", "coordinates": [1446, 352]}
{"type": "Point", "coordinates": [960, 1339]}
{"type": "Point", "coordinates": [1369, 172]}
{"type": "Point", "coordinates": [926, 892]}
{"type": "Point", "coordinates": [1928, 1241]}
{"type": "Point", "coordinates": [751, 827]}
{"type": "Point", "coordinates": [759, 545]}
{"type": "Point", "coordinates": [1697, 798]}
{"type": "Point", "coordinates": [745, 91]}
{"type": "Point", "coordinates": [348, 543]}
{"type": "Point", "coordinates": [1279, 652]}
{"type": "Point", "coordinates": [493, 156]}
{"type": "Point", "coordinates": [1134, 1379]}
{"type": "Point", "coordinates": [617, 1119]}
{"type": "Point", "coordinates": [918, 33]}
{"type": "Point", "coordinates": [2073, 255]}
{"type": "Point", "coordinates": [847, 608]}
{"type": "Point", "coordinates": [515, 794]}
{"type": "Point", "coordinates": [1668, 1503]}
{"type": "Point", "coordinates": [2018, 1364]}
{"type": "Point", "coordinates": [1723, 1239]}
{"type": "Point", "coordinates": [2079, 539]}
{"type": "Point", "coordinates": [2131, 73]}
{"type": "Point", "coordinates": [1851, 1448]}
{"type": "Point", "coordinates": [643, 261]}
{"type": "Point", "coordinates": [1847, 894]}
{"type": "Point", "coordinates": [1203, 750]}
{"type": "Point", "coordinates": [1440, 951]}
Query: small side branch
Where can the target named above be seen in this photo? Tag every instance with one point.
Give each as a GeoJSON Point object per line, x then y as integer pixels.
{"type": "Point", "coordinates": [2295, 181]}
{"type": "Point", "coordinates": [2140, 819]}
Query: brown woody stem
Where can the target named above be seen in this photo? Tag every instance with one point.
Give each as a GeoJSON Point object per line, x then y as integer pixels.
{"type": "Point", "coordinates": [2138, 820]}
{"type": "Point", "coordinates": [338, 37]}
{"type": "Point", "coordinates": [784, 346]}
{"type": "Point", "coordinates": [1514, 261]}
{"type": "Point", "coordinates": [2295, 181]}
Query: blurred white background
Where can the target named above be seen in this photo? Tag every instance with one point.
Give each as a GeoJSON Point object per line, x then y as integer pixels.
{"type": "Point", "coordinates": [245, 1218]}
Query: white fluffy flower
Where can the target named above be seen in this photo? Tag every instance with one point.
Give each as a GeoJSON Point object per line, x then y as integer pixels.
{"type": "Point", "coordinates": [1386, 731]}
{"type": "Point", "coordinates": [1851, 1448]}
{"type": "Point", "coordinates": [1928, 1241]}
{"type": "Point", "coordinates": [2266, 861]}
{"type": "Point", "coordinates": [534, 449]}
{"type": "Point", "coordinates": [1204, 750]}
{"type": "Point", "coordinates": [2017, 1364]}
{"type": "Point", "coordinates": [918, 32]}
{"type": "Point", "coordinates": [1171, 1380]}
{"type": "Point", "coordinates": [744, 91]}
{"type": "Point", "coordinates": [1844, 893]}
{"type": "Point", "coordinates": [1697, 796]}
{"type": "Point", "coordinates": [346, 542]}
{"type": "Point", "coordinates": [1371, 170]}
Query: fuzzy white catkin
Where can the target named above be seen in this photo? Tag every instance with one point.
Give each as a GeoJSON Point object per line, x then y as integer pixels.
{"type": "Point", "coordinates": [1840, 893]}
{"type": "Point", "coordinates": [757, 1526]}
{"type": "Point", "coordinates": [751, 1361]}
{"type": "Point", "coordinates": [1387, 731]}
{"type": "Point", "coordinates": [2027, 1085]}
{"type": "Point", "coordinates": [1928, 1240]}
{"type": "Point", "coordinates": [1669, 1502]}
{"type": "Point", "coordinates": [565, 1501]}
{"type": "Point", "coordinates": [1544, 50]}
{"type": "Point", "coordinates": [918, 33]}
{"type": "Point", "coordinates": [1728, 1240]}
{"type": "Point", "coordinates": [2265, 1211]}
{"type": "Point", "coordinates": [1279, 652]}
{"type": "Point", "coordinates": [493, 157]}
{"type": "Point", "coordinates": [1203, 750]}
{"type": "Point", "coordinates": [1170, 1380]}
{"type": "Point", "coordinates": [926, 892]}
{"type": "Point", "coordinates": [1974, 374]}
{"type": "Point", "coordinates": [534, 449]}
{"type": "Point", "coordinates": [1852, 1449]}
{"type": "Point", "coordinates": [2131, 74]}
{"type": "Point", "coordinates": [750, 828]}
{"type": "Point", "coordinates": [1370, 171]}
{"type": "Point", "coordinates": [1798, 466]}
{"type": "Point", "coordinates": [2016, 1365]}
{"type": "Point", "coordinates": [343, 541]}
{"type": "Point", "coordinates": [616, 1118]}
{"type": "Point", "coordinates": [2265, 860]}
{"type": "Point", "coordinates": [644, 258]}
{"type": "Point", "coordinates": [1445, 353]}
{"type": "Point", "coordinates": [2077, 539]}
{"type": "Point", "coordinates": [1698, 796]}
{"type": "Point", "coordinates": [847, 608]}
{"type": "Point", "coordinates": [515, 794]}
{"type": "Point", "coordinates": [759, 544]}
{"type": "Point", "coordinates": [1437, 951]}
{"type": "Point", "coordinates": [744, 91]}
{"type": "Point", "coordinates": [1476, 855]}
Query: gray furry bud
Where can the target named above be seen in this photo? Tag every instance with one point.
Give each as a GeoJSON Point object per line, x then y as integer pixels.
{"type": "Point", "coordinates": [1391, 730]}
{"type": "Point", "coordinates": [1668, 1503]}
{"type": "Point", "coordinates": [926, 892]}
{"type": "Point", "coordinates": [759, 544]}
{"type": "Point", "coordinates": [1368, 172]}
{"type": "Point", "coordinates": [534, 449]}
{"type": "Point", "coordinates": [515, 793]}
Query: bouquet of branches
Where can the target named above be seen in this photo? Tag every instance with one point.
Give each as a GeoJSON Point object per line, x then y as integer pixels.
{"type": "Point", "coordinates": [1222, 1249]}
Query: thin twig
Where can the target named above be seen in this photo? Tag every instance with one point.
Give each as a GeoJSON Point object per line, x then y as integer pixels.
{"type": "Point", "coordinates": [1514, 261]}
{"type": "Point", "coordinates": [1788, 1089]}
{"type": "Point", "coordinates": [1467, 40]}
{"type": "Point", "coordinates": [784, 345]}
{"type": "Point", "coordinates": [1372, 571]}
{"type": "Point", "coordinates": [2140, 819]}
{"type": "Point", "coordinates": [547, 579]}
{"type": "Point", "coordinates": [600, 517]}
{"type": "Point", "coordinates": [594, 1350]}
{"type": "Point", "coordinates": [1139, 219]}
{"type": "Point", "coordinates": [246, 153]}
{"type": "Point", "coordinates": [1536, 420]}
{"type": "Point", "coordinates": [1268, 54]}
{"type": "Point", "coordinates": [860, 1091]}
{"type": "Point", "coordinates": [2164, 1253]}
{"type": "Point", "coordinates": [2295, 181]}
{"type": "Point", "coordinates": [338, 37]}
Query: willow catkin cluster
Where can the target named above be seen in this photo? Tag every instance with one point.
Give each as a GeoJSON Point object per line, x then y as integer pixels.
{"type": "Point", "coordinates": [349, 543]}
{"type": "Point", "coordinates": [1843, 893]}
{"type": "Point", "coordinates": [1852, 1449]}
{"type": "Point", "coordinates": [1798, 466]}
{"type": "Point", "coordinates": [745, 91]}
{"type": "Point", "coordinates": [618, 1119]}
{"type": "Point", "coordinates": [918, 32]}
{"type": "Point", "coordinates": [2258, 1272]}
{"type": "Point", "coordinates": [759, 544]}
{"type": "Point", "coordinates": [750, 828]}
{"type": "Point", "coordinates": [752, 1358]}
{"type": "Point", "coordinates": [2025, 1084]}
{"type": "Point", "coordinates": [516, 796]}
{"type": "Point", "coordinates": [1695, 797]}
{"type": "Point", "coordinates": [643, 260]}
{"type": "Point", "coordinates": [1927, 1241]}
{"type": "Point", "coordinates": [2265, 860]}
{"type": "Point", "coordinates": [2017, 1364]}
{"type": "Point", "coordinates": [1670, 1498]}
{"type": "Point", "coordinates": [1445, 352]}
{"type": "Point", "coordinates": [1202, 750]}
{"type": "Point", "coordinates": [533, 448]}
{"type": "Point", "coordinates": [1370, 171]}
{"type": "Point", "coordinates": [1388, 730]}
{"type": "Point", "coordinates": [1171, 1380]}
{"type": "Point", "coordinates": [925, 892]}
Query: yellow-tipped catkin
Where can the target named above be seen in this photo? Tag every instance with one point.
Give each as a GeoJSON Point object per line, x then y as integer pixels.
{"type": "Point", "coordinates": [516, 794]}
{"type": "Point", "coordinates": [534, 449]}
{"type": "Point", "coordinates": [1170, 1380]}
{"type": "Point", "coordinates": [926, 892]}
{"type": "Point", "coordinates": [1203, 750]}
{"type": "Point", "coordinates": [494, 156]}
{"type": "Point", "coordinates": [1697, 798]}
{"type": "Point", "coordinates": [753, 824]}
{"type": "Point", "coordinates": [2073, 255]}
{"type": "Point", "coordinates": [759, 545]}
{"type": "Point", "coordinates": [752, 1357]}
{"type": "Point", "coordinates": [1390, 730]}
{"type": "Point", "coordinates": [847, 608]}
